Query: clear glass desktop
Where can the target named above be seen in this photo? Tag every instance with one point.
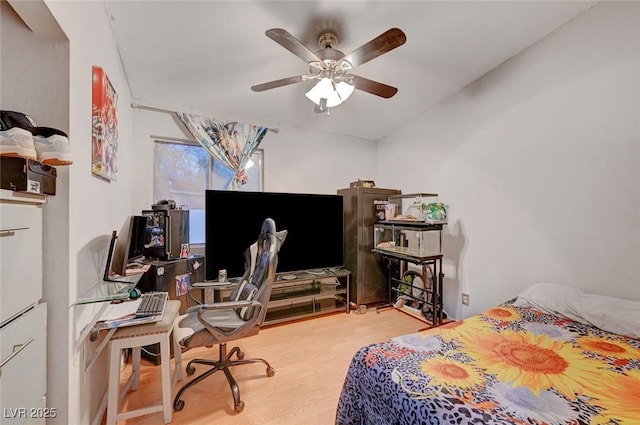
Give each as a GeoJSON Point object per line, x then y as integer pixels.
{"type": "Point", "coordinates": [109, 290]}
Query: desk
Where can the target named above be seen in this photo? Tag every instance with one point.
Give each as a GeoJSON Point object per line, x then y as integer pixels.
{"type": "Point", "coordinates": [88, 308]}
{"type": "Point", "coordinates": [135, 337]}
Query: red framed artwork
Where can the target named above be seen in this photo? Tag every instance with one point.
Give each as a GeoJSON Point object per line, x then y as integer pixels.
{"type": "Point", "coordinates": [104, 134]}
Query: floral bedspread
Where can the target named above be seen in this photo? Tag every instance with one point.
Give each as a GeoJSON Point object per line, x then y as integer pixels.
{"type": "Point", "coordinates": [508, 365]}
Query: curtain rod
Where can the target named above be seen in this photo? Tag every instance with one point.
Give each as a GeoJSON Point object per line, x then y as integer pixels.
{"type": "Point", "coordinates": [175, 139]}
{"type": "Point", "coordinates": [167, 111]}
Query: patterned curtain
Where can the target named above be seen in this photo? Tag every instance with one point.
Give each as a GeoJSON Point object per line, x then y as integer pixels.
{"type": "Point", "coordinates": [231, 143]}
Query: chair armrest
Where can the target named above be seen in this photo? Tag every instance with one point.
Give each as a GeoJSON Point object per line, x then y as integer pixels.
{"type": "Point", "coordinates": [214, 285]}
{"type": "Point", "coordinates": [224, 305]}
{"type": "Point", "coordinates": [219, 333]}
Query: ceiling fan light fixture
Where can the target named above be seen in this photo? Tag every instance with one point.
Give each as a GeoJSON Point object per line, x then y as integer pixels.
{"type": "Point", "coordinates": [331, 65]}
{"type": "Point", "coordinates": [344, 90]}
{"type": "Point", "coordinates": [323, 89]}
{"type": "Point", "coordinates": [334, 94]}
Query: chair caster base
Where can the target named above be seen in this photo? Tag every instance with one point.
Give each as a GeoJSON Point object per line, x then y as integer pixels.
{"type": "Point", "coordinates": [239, 407]}
{"type": "Point", "coordinates": [271, 371]}
{"type": "Point", "coordinates": [178, 405]}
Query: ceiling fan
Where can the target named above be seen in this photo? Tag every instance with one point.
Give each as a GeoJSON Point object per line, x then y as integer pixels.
{"type": "Point", "coordinates": [332, 68]}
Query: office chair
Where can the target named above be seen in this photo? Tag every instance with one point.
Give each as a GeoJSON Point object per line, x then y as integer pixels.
{"type": "Point", "coordinates": [242, 316]}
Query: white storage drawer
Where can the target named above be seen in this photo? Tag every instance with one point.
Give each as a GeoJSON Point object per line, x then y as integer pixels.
{"type": "Point", "coordinates": [20, 257]}
{"type": "Point", "coordinates": [23, 357]}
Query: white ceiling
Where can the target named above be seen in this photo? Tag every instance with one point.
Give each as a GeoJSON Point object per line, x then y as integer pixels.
{"type": "Point", "coordinates": [205, 55]}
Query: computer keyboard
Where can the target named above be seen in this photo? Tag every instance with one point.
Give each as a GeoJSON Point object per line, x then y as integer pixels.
{"type": "Point", "coordinates": [152, 304]}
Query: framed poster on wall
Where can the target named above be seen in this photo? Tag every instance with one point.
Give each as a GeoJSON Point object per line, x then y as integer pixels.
{"type": "Point", "coordinates": [104, 133]}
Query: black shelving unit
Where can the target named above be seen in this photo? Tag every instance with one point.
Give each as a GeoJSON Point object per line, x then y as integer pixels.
{"type": "Point", "coordinates": [308, 293]}
{"type": "Point", "coordinates": [399, 254]}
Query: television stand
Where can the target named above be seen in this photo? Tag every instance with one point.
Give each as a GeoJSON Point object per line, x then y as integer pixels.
{"type": "Point", "coordinates": [308, 293]}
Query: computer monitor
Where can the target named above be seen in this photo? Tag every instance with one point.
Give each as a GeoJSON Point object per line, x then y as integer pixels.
{"type": "Point", "coordinates": [126, 246]}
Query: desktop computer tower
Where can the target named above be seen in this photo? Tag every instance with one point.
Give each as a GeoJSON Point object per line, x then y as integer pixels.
{"type": "Point", "coordinates": [167, 233]}
{"type": "Point", "coordinates": [171, 276]}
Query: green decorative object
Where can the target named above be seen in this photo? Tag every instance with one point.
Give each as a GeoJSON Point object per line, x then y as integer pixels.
{"type": "Point", "coordinates": [403, 288]}
{"type": "Point", "coordinates": [434, 211]}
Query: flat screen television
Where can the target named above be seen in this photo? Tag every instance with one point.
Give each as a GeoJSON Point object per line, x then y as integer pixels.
{"type": "Point", "coordinates": [314, 224]}
{"type": "Point", "coordinates": [126, 246]}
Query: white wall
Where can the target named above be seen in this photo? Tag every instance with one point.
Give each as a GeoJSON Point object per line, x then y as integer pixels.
{"type": "Point", "coordinates": [540, 162]}
{"type": "Point", "coordinates": [95, 206]}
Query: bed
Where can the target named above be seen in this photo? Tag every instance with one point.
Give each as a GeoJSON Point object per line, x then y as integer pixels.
{"type": "Point", "coordinates": [554, 355]}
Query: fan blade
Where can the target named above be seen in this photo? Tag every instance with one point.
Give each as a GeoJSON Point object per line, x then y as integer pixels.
{"type": "Point", "coordinates": [278, 83]}
{"type": "Point", "coordinates": [383, 43]}
{"type": "Point", "coordinates": [373, 87]}
{"type": "Point", "coordinates": [292, 44]}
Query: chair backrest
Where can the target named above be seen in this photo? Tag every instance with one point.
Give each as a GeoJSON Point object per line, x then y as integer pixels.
{"type": "Point", "coordinates": [261, 260]}
{"type": "Point", "coordinates": [204, 327]}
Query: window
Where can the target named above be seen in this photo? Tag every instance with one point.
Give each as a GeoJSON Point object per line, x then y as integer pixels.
{"type": "Point", "coordinates": [184, 170]}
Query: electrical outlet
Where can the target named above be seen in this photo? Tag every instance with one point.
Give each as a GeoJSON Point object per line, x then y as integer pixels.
{"type": "Point", "coordinates": [465, 299]}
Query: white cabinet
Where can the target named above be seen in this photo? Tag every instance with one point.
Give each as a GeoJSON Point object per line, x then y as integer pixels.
{"type": "Point", "coordinates": [20, 255]}
{"type": "Point", "coordinates": [23, 354]}
{"type": "Point", "coordinates": [23, 342]}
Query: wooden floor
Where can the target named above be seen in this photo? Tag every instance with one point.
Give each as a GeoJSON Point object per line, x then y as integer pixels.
{"type": "Point", "coordinates": [311, 358]}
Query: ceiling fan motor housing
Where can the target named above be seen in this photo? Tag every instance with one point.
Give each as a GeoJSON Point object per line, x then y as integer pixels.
{"type": "Point", "coordinates": [328, 40]}
{"type": "Point", "coordinates": [331, 66]}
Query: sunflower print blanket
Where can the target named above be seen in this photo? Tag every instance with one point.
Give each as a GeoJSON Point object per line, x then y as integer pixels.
{"type": "Point", "coordinates": [508, 365]}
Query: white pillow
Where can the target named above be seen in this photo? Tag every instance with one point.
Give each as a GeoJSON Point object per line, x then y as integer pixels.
{"type": "Point", "coordinates": [551, 298]}
{"type": "Point", "coordinates": [610, 314]}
